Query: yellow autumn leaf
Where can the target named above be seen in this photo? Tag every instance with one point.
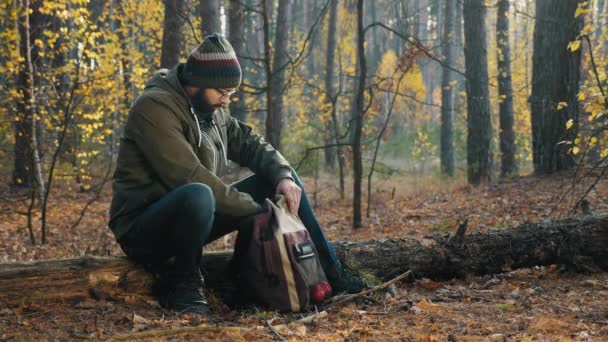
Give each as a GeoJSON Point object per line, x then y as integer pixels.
{"type": "Point", "coordinates": [562, 105]}
{"type": "Point", "coordinates": [581, 96]}
{"type": "Point", "coordinates": [579, 12]}
{"type": "Point", "coordinates": [592, 141]}
{"type": "Point", "coordinates": [574, 45]}
{"type": "Point", "coordinates": [604, 154]}
{"type": "Point", "coordinates": [575, 150]}
{"type": "Point", "coordinates": [569, 124]}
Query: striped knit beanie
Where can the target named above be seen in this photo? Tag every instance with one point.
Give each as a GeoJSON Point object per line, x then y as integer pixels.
{"type": "Point", "coordinates": [213, 64]}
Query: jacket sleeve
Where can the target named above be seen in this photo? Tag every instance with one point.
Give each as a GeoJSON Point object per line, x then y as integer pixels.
{"type": "Point", "coordinates": [159, 134]}
{"type": "Point", "coordinates": [248, 149]}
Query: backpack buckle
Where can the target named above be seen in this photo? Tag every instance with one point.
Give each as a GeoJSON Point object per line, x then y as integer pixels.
{"type": "Point", "coordinates": [304, 250]}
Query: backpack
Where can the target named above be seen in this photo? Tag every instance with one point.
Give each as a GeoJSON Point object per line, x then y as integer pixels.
{"type": "Point", "coordinates": [280, 268]}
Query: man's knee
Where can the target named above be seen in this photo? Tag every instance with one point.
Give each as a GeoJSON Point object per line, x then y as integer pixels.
{"type": "Point", "coordinates": [198, 209]}
{"type": "Point", "coordinates": [198, 198]}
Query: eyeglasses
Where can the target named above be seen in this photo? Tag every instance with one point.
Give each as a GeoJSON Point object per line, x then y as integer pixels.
{"type": "Point", "coordinates": [226, 94]}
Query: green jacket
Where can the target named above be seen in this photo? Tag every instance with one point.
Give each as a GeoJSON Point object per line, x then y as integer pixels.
{"type": "Point", "coordinates": [162, 149]}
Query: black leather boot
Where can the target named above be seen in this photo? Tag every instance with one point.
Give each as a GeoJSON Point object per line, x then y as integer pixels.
{"type": "Point", "coordinates": [185, 293]}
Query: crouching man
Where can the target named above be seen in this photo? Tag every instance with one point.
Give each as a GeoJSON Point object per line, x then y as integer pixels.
{"type": "Point", "coordinates": [168, 201]}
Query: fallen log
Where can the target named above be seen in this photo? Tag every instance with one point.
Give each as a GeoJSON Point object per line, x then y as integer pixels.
{"type": "Point", "coordinates": [578, 242]}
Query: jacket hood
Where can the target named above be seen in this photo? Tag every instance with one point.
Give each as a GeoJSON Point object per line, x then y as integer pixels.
{"type": "Point", "coordinates": [168, 80]}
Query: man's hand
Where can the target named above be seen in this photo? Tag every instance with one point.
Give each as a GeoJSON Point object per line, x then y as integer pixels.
{"type": "Point", "coordinates": [292, 193]}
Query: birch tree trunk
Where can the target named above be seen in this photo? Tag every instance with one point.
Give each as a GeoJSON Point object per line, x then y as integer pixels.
{"type": "Point", "coordinates": [26, 27]}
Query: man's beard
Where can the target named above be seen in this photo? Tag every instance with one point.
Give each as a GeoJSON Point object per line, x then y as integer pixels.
{"type": "Point", "coordinates": [201, 104]}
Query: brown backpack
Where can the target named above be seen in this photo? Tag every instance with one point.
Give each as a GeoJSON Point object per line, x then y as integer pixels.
{"type": "Point", "coordinates": [280, 268]}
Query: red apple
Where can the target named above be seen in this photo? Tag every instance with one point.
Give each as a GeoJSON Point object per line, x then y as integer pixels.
{"type": "Point", "coordinates": [327, 288]}
{"type": "Point", "coordinates": [317, 293]}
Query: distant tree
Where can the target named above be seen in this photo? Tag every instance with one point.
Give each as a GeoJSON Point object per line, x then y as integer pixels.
{"type": "Point", "coordinates": [357, 118]}
{"type": "Point", "coordinates": [479, 136]}
{"type": "Point", "coordinates": [334, 131]}
{"type": "Point", "coordinates": [555, 84]}
{"type": "Point", "coordinates": [421, 17]}
{"type": "Point", "coordinates": [447, 90]}
{"type": "Point", "coordinates": [26, 124]}
{"type": "Point", "coordinates": [236, 34]}
{"type": "Point", "coordinates": [276, 75]}
{"type": "Point", "coordinates": [210, 16]}
{"type": "Point", "coordinates": [508, 165]}
{"type": "Point", "coordinates": [172, 33]}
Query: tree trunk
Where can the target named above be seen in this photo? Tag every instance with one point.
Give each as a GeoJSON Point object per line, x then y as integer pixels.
{"type": "Point", "coordinates": [447, 91]}
{"type": "Point", "coordinates": [461, 88]}
{"type": "Point", "coordinates": [508, 167]}
{"type": "Point", "coordinates": [329, 85]}
{"type": "Point", "coordinates": [26, 126]}
{"type": "Point", "coordinates": [236, 27]}
{"type": "Point", "coordinates": [400, 17]}
{"type": "Point", "coordinates": [274, 118]}
{"type": "Point", "coordinates": [210, 17]}
{"type": "Point", "coordinates": [555, 82]}
{"type": "Point", "coordinates": [376, 49]}
{"type": "Point", "coordinates": [357, 119]}
{"type": "Point", "coordinates": [172, 33]}
{"type": "Point", "coordinates": [579, 242]}
{"type": "Point", "coordinates": [331, 152]}
{"type": "Point", "coordinates": [422, 19]}
{"type": "Point", "coordinates": [479, 136]}
{"type": "Point", "coordinates": [598, 19]}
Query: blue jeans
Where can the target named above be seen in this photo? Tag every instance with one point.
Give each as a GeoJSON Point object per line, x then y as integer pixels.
{"type": "Point", "coordinates": [181, 223]}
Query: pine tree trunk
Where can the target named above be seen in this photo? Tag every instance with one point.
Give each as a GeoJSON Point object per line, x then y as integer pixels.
{"type": "Point", "coordinates": [172, 33]}
{"type": "Point", "coordinates": [357, 119]}
{"type": "Point", "coordinates": [555, 80]}
{"type": "Point", "coordinates": [236, 26]}
{"type": "Point", "coordinates": [579, 243]}
{"type": "Point", "coordinates": [447, 91]}
{"type": "Point", "coordinates": [331, 128]}
{"type": "Point", "coordinates": [479, 137]}
{"type": "Point", "coordinates": [276, 80]}
{"type": "Point", "coordinates": [210, 17]}
{"type": "Point", "coordinates": [508, 166]}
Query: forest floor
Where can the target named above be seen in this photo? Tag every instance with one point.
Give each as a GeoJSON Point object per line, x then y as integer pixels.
{"type": "Point", "coordinates": [537, 304]}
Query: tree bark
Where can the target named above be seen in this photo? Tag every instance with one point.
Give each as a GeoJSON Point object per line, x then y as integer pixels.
{"type": "Point", "coordinates": [27, 130]}
{"type": "Point", "coordinates": [423, 34]}
{"type": "Point", "coordinates": [210, 16]}
{"type": "Point", "coordinates": [172, 33]}
{"type": "Point", "coordinates": [274, 119]}
{"type": "Point", "coordinates": [479, 136]}
{"type": "Point", "coordinates": [555, 80]}
{"type": "Point", "coordinates": [577, 242]}
{"type": "Point", "coordinates": [334, 127]}
{"type": "Point", "coordinates": [236, 29]}
{"type": "Point", "coordinates": [447, 91]}
{"type": "Point", "coordinates": [357, 118]}
{"type": "Point", "coordinates": [508, 166]}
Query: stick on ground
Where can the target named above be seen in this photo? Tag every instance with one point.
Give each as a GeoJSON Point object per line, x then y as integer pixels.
{"type": "Point", "coordinates": [372, 290]}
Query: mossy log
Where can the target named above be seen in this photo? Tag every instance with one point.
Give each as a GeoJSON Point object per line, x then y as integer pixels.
{"type": "Point", "coordinates": [578, 242]}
